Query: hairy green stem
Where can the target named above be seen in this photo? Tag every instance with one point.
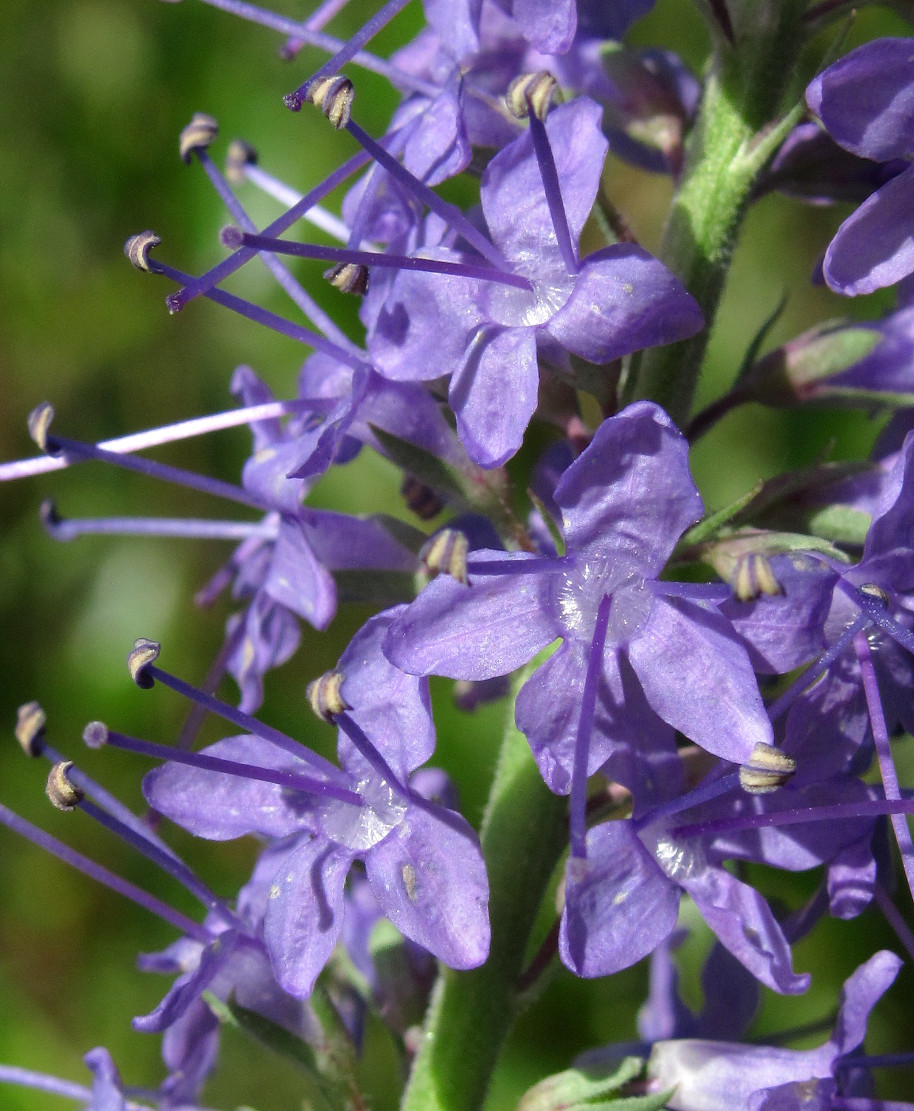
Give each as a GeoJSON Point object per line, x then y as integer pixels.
{"type": "Point", "coordinates": [728, 149]}
{"type": "Point", "coordinates": [524, 833]}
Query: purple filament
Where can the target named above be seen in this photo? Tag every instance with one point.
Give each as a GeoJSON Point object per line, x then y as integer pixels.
{"type": "Point", "coordinates": [548, 172]}
{"type": "Point", "coordinates": [355, 734]}
{"type": "Point", "coordinates": [577, 815]}
{"type": "Point", "coordinates": [182, 527]}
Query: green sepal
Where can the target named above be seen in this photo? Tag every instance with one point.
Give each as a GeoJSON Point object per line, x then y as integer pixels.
{"type": "Point", "coordinates": [710, 526]}
{"type": "Point", "coordinates": [576, 1087]}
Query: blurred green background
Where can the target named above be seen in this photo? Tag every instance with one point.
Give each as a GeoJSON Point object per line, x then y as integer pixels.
{"type": "Point", "coordinates": [94, 93]}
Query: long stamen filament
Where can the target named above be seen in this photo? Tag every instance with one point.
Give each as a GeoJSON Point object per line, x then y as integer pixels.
{"type": "Point", "coordinates": [875, 611]}
{"type": "Point", "coordinates": [180, 527]}
{"type": "Point", "coordinates": [577, 809]}
{"type": "Point", "coordinates": [355, 734]}
{"type": "Point", "coordinates": [872, 808]}
{"type": "Point", "coordinates": [545, 159]}
{"type": "Point", "coordinates": [316, 215]}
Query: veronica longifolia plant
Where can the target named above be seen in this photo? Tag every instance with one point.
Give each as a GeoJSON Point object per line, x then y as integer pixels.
{"type": "Point", "coordinates": [697, 697]}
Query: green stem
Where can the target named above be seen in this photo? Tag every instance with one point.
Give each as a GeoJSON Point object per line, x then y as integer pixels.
{"type": "Point", "coordinates": [524, 833]}
{"type": "Point", "coordinates": [727, 151]}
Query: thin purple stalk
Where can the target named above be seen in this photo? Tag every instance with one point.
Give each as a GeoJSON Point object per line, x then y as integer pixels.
{"type": "Point", "coordinates": [348, 51]}
{"type": "Point", "coordinates": [450, 213]}
{"type": "Point", "coordinates": [356, 734]}
{"type": "Point", "coordinates": [42, 1082]}
{"type": "Point", "coordinates": [288, 780]}
{"type": "Point", "coordinates": [162, 471]}
{"type": "Point", "coordinates": [705, 792]}
{"type": "Point", "coordinates": [167, 434]}
{"type": "Point", "coordinates": [101, 875]}
{"type": "Point", "coordinates": [299, 29]}
{"type": "Point", "coordinates": [873, 808]}
{"type": "Point", "coordinates": [376, 258]}
{"type": "Point", "coordinates": [181, 527]}
{"type": "Point", "coordinates": [874, 610]}
{"type": "Point", "coordinates": [210, 591]}
{"type": "Point", "coordinates": [170, 864]}
{"type": "Point", "coordinates": [315, 215]}
{"type": "Point", "coordinates": [539, 565]}
{"type": "Point", "coordinates": [691, 592]}
{"type": "Point", "coordinates": [263, 317]}
{"type": "Point", "coordinates": [577, 806]}
{"type": "Point", "coordinates": [876, 1061]}
{"type": "Point", "coordinates": [545, 159]}
{"type": "Point", "coordinates": [196, 715]}
{"type": "Point", "coordinates": [316, 21]}
{"type": "Point", "coordinates": [884, 755]}
{"type": "Point", "coordinates": [287, 282]}
{"type": "Point", "coordinates": [894, 918]}
{"type": "Point", "coordinates": [781, 705]}
{"type": "Point", "coordinates": [246, 722]}
{"type": "Point", "coordinates": [197, 287]}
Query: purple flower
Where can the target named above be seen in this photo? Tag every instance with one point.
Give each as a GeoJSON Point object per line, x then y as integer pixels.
{"type": "Point", "coordinates": [726, 1076]}
{"type": "Point", "coordinates": [485, 331]}
{"type": "Point", "coordinates": [866, 103]}
{"type": "Point", "coordinates": [625, 501]}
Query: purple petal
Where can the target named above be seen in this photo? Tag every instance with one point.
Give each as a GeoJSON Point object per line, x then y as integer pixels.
{"type": "Point", "coordinates": [512, 193]}
{"type": "Point", "coordinates": [548, 25]}
{"type": "Point", "coordinates": [430, 880]}
{"type": "Point", "coordinates": [874, 247]}
{"type": "Point", "coordinates": [619, 906]}
{"type": "Point", "coordinates": [107, 1094]}
{"type": "Point", "coordinates": [189, 987]}
{"type": "Point", "coordinates": [629, 496]}
{"type": "Point", "coordinates": [866, 99]}
{"type": "Point", "coordinates": [624, 300]}
{"type": "Point", "coordinates": [271, 636]}
{"type": "Point", "coordinates": [861, 992]}
{"type": "Point", "coordinates": [494, 394]}
{"type": "Point", "coordinates": [219, 806]}
{"type": "Point", "coordinates": [744, 923]}
{"type": "Point", "coordinates": [893, 518]}
{"type": "Point", "coordinates": [437, 147]}
{"type": "Point", "coordinates": [488, 628]}
{"type": "Point", "coordinates": [297, 579]}
{"type": "Point", "coordinates": [305, 913]}
{"type": "Point", "coordinates": [391, 707]}
{"type": "Point", "coordinates": [698, 678]}
{"type": "Point", "coordinates": [342, 542]}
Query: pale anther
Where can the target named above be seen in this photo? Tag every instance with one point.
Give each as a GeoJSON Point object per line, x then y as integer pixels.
{"type": "Point", "coordinates": [39, 422]}
{"type": "Point", "coordinates": [30, 722]}
{"type": "Point", "coordinates": [325, 696]}
{"type": "Point", "coordinates": [144, 653]}
{"type": "Point", "coordinates": [199, 133]}
{"type": "Point", "coordinates": [334, 96]}
{"type": "Point", "coordinates": [240, 154]}
{"type": "Point", "coordinates": [873, 591]}
{"type": "Point", "coordinates": [137, 249]}
{"type": "Point", "coordinates": [754, 577]}
{"type": "Point", "coordinates": [62, 793]}
{"type": "Point", "coordinates": [446, 552]}
{"type": "Point", "coordinates": [531, 92]}
{"type": "Point", "coordinates": [768, 768]}
{"type": "Point", "coordinates": [349, 277]}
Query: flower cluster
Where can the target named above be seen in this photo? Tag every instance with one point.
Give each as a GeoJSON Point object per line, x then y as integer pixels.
{"type": "Point", "coordinates": [691, 693]}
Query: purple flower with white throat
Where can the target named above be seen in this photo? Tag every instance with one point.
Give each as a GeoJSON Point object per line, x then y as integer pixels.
{"type": "Point", "coordinates": [652, 647]}
{"type": "Point", "coordinates": [485, 330]}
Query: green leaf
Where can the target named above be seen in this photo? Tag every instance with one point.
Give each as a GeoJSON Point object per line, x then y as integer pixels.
{"type": "Point", "coordinates": [574, 1087]}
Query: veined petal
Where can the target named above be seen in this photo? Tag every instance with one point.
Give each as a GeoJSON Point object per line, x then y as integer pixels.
{"type": "Point", "coordinates": [494, 393]}
{"type": "Point", "coordinates": [619, 906]}
{"type": "Point", "coordinates": [489, 628]}
{"type": "Point", "coordinates": [629, 495]}
{"type": "Point", "coordinates": [430, 880]}
{"type": "Point", "coordinates": [698, 678]}
{"type": "Point", "coordinates": [624, 300]}
{"type": "Point", "coordinates": [305, 913]}
{"type": "Point", "coordinates": [298, 580]}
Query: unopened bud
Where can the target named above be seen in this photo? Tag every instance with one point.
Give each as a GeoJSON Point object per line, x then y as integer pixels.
{"type": "Point", "coordinates": [137, 249]}
{"type": "Point", "coordinates": [62, 793]}
{"type": "Point", "coordinates": [145, 652]}
{"type": "Point", "coordinates": [754, 577]}
{"type": "Point", "coordinates": [421, 499]}
{"type": "Point", "coordinates": [325, 697]}
{"type": "Point", "coordinates": [199, 133]}
{"type": "Point", "coordinates": [334, 96]}
{"type": "Point", "coordinates": [349, 277]}
{"type": "Point", "coordinates": [30, 722]}
{"type": "Point", "coordinates": [768, 768]}
{"type": "Point", "coordinates": [240, 154]}
{"type": "Point", "coordinates": [446, 552]}
{"type": "Point", "coordinates": [531, 92]}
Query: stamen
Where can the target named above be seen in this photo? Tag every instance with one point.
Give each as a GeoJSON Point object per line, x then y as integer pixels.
{"type": "Point", "coordinates": [884, 754]}
{"type": "Point", "coordinates": [30, 728]}
{"type": "Point", "coordinates": [140, 660]}
{"type": "Point", "coordinates": [334, 97]}
{"type": "Point", "coordinates": [201, 132]}
{"type": "Point", "coordinates": [319, 18]}
{"type": "Point", "coordinates": [97, 734]}
{"type": "Point", "coordinates": [539, 565]}
{"type": "Point", "coordinates": [577, 807]}
{"type": "Point", "coordinates": [43, 1082]}
{"type": "Point", "coordinates": [550, 177]}
{"type": "Point", "coordinates": [367, 749]}
{"type": "Point", "coordinates": [781, 705]}
{"type": "Point", "coordinates": [251, 311]}
{"type": "Point", "coordinates": [325, 697]}
{"type": "Point", "coordinates": [65, 528]}
{"type": "Point", "coordinates": [446, 552]}
{"type": "Point", "coordinates": [97, 872]}
{"type": "Point", "coordinates": [768, 769]}
{"type": "Point", "coordinates": [872, 605]}
{"type": "Point", "coordinates": [167, 434]}
{"type": "Point", "coordinates": [234, 237]}
{"type": "Point", "coordinates": [754, 577]}
{"type": "Point", "coordinates": [873, 808]}
{"type": "Point", "coordinates": [63, 794]}
{"type": "Point", "coordinates": [348, 277]}
{"type": "Point", "coordinates": [531, 93]}
{"type": "Point", "coordinates": [241, 165]}
{"type": "Point", "coordinates": [368, 30]}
